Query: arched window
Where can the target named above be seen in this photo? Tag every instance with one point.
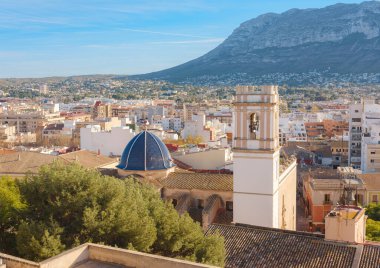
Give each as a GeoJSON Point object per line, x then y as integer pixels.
{"type": "Point", "coordinates": [253, 125]}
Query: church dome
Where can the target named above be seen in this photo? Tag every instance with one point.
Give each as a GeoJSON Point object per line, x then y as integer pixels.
{"type": "Point", "coordinates": [145, 152]}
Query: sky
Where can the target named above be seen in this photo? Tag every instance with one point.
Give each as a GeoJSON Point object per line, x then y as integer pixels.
{"type": "Point", "coordinates": [40, 38]}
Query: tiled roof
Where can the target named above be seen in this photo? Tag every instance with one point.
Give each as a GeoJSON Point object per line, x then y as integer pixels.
{"type": "Point", "coordinates": [251, 246]}
{"type": "Point", "coordinates": [88, 159]}
{"type": "Point", "coordinates": [20, 163]}
{"type": "Point", "coordinates": [201, 181]}
{"type": "Point", "coordinates": [370, 257]}
{"type": "Point", "coordinates": [145, 151]}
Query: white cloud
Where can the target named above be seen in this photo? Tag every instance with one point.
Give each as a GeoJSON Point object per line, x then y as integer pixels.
{"type": "Point", "coordinates": [162, 33]}
{"type": "Point", "coordinates": [201, 41]}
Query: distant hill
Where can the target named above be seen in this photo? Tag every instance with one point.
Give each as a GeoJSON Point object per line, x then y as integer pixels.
{"type": "Point", "coordinates": [339, 42]}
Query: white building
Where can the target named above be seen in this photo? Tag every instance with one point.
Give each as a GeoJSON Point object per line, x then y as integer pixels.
{"type": "Point", "coordinates": [291, 130]}
{"type": "Point", "coordinates": [50, 107]}
{"type": "Point", "coordinates": [264, 188]}
{"type": "Point", "coordinates": [206, 159]}
{"type": "Point", "coordinates": [364, 140]}
{"type": "Point", "coordinates": [172, 123]}
{"type": "Point", "coordinates": [107, 143]}
{"type": "Point", "coordinates": [7, 133]}
{"type": "Point", "coordinates": [370, 153]}
{"type": "Point", "coordinates": [197, 128]}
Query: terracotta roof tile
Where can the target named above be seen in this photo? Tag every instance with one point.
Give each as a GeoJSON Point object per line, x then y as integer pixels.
{"type": "Point", "coordinates": [370, 257]}
{"type": "Point", "coordinates": [251, 246]}
{"type": "Point", "coordinates": [201, 181]}
{"type": "Point", "coordinates": [20, 163]}
{"type": "Point", "coordinates": [88, 159]}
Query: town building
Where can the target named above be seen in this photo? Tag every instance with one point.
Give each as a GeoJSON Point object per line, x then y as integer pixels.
{"type": "Point", "coordinates": [197, 128]}
{"type": "Point", "coordinates": [29, 121]}
{"type": "Point", "coordinates": [109, 143]}
{"type": "Point", "coordinates": [264, 188]}
{"type": "Point", "coordinates": [324, 189]}
{"type": "Point", "coordinates": [364, 139]}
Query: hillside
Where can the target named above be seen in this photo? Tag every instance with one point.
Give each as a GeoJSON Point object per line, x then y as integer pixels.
{"type": "Point", "coordinates": [339, 42]}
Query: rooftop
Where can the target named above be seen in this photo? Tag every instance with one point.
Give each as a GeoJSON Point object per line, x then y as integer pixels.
{"type": "Point", "coordinates": [252, 246]}
{"type": "Point", "coordinates": [91, 255]}
{"type": "Point", "coordinates": [20, 163]}
{"type": "Point", "coordinates": [345, 212]}
{"type": "Point", "coordinates": [200, 181]}
{"type": "Point", "coordinates": [145, 152]}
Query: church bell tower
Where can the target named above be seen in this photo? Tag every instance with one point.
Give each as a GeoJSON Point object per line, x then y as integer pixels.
{"type": "Point", "coordinates": [256, 156]}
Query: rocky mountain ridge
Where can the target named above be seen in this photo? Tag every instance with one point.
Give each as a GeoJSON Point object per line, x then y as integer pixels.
{"type": "Point", "coordinates": [342, 38]}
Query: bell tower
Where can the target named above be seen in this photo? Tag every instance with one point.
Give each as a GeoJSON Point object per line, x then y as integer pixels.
{"type": "Point", "coordinates": [256, 156]}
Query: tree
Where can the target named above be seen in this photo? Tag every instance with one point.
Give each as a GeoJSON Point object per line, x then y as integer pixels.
{"type": "Point", "coordinates": [373, 230]}
{"type": "Point", "coordinates": [89, 206]}
{"type": "Point", "coordinates": [37, 240]}
{"type": "Point", "coordinates": [373, 211]}
{"type": "Point", "coordinates": [211, 250]}
{"type": "Point", "coordinates": [373, 222]}
{"type": "Point", "coordinates": [10, 206]}
{"type": "Point", "coordinates": [69, 205]}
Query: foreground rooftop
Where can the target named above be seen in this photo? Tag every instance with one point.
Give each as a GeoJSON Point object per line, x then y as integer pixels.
{"type": "Point", "coordinates": [253, 246]}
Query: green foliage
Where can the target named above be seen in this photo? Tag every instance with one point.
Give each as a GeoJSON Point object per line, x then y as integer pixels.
{"type": "Point", "coordinates": [68, 205]}
{"type": "Point", "coordinates": [211, 250]}
{"type": "Point", "coordinates": [373, 230]}
{"type": "Point", "coordinates": [38, 241]}
{"type": "Point", "coordinates": [10, 207]}
{"type": "Point", "coordinates": [373, 211]}
{"type": "Point", "coordinates": [373, 222]}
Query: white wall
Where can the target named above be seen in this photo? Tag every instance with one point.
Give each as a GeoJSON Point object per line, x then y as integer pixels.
{"type": "Point", "coordinates": [212, 159]}
{"type": "Point", "coordinates": [108, 142]}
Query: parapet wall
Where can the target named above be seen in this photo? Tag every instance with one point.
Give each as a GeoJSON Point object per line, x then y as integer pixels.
{"type": "Point", "coordinates": [137, 259]}
{"type": "Point", "coordinates": [14, 262]}
{"type": "Point", "coordinates": [94, 252]}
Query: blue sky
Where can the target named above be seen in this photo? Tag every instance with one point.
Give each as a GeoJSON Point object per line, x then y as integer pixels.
{"type": "Point", "coordinates": [40, 38]}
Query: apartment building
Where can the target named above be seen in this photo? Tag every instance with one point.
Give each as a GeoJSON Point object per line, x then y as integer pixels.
{"type": "Point", "coordinates": [29, 121]}
{"type": "Point", "coordinates": [364, 138]}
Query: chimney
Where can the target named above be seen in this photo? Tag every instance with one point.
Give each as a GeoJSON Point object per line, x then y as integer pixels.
{"type": "Point", "coordinates": [98, 153]}
{"type": "Point", "coordinates": [346, 223]}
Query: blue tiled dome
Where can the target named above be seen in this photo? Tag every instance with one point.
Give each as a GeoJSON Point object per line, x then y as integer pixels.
{"type": "Point", "coordinates": [145, 152]}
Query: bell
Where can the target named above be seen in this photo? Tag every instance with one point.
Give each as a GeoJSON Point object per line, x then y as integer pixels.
{"type": "Point", "coordinates": [351, 196]}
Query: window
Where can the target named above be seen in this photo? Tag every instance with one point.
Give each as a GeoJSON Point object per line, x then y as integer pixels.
{"type": "Point", "coordinates": [253, 125]}
{"type": "Point", "coordinates": [374, 198]}
{"type": "Point", "coordinates": [356, 111]}
{"type": "Point", "coordinates": [201, 203]}
{"type": "Point", "coordinates": [373, 152]}
{"type": "Point", "coordinates": [327, 199]}
{"type": "Point", "coordinates": [372, 160]}
{"type": "Point", "coordinates": [229, 206]}
{"type": "Point", "coordinates": [174, 202]}
{"type": "Point", "coordinates": [357, 120]}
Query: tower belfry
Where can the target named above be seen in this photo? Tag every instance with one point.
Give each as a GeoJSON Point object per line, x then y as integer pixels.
{"type": "Point", "coordinates": [258, 199]}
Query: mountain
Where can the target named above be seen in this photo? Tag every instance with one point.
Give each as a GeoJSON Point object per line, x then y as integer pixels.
{"type": "Point", "coordinates": [340, 42]}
